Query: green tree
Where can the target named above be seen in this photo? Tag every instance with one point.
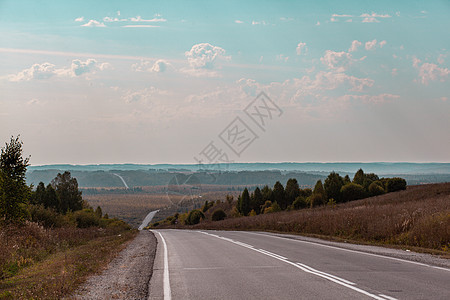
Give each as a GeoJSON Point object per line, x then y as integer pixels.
{"type": "Point", "coordinates": [194, 217]}
{"type": "Point", "coordinates": [352, 191]}
{"type": "Point", "coordinates": [66, 188]}
{"type": "Point", "coordinates": [359, 177]}
{"type": "Point", "coordinates": [257, 200]}
{"type": "Point", "coordinates": [14, 192]}
{"type": "Point", "coordinates": [218, 215]}
{"type": "Point", "coordinates": [395, 184]}
{"type": "Point", "coordinates": [244, 203]}
{"type": "Point", "coordinates": [279, 195]}
{"type": "Point", "coordinates": [376, 188]}
{"type": "Point", "coordinates": [38, 196]}
{"type": "Point", "coordinates": [300, 202]}
{"type": "Point", "coordinates": [51, 199]}
{"type": "Point", "coordinates": [347, 179]}
{"type": "Point", "coordinates": [267, 193]}
{"type": "Point", "coordinates": [320, 196]}
{"type": "Point", "coordinates": [292, 191]}
{"type": "Point", "coordinates": [98, 212]}
{"type": "Point", "coordinates": [333, 185]}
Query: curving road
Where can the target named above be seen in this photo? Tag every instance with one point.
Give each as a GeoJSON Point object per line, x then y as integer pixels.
{"type": "Point", "coordinates": [249, 265]}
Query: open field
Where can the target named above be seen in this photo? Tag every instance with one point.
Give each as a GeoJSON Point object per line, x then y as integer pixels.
{"type": "Point", "coordinates": [417, 217]}
{"type": "Point", "coordinates": [133, 206]}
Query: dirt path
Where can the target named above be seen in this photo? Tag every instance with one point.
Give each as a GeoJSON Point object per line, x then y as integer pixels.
{"type": "Point", "coordinates": [127, 276]}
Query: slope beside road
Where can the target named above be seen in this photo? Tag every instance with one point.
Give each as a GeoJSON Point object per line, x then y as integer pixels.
{"type": "Point", "coordinates": [248, 265]}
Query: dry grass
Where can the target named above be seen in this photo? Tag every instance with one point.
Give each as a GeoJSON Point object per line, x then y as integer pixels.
{"type": "Point", "coordinates": [38, 263]}
{"type": "Point", "coordinates": [419, 216]}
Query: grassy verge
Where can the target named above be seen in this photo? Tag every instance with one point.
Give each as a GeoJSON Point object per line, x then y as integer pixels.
{"type": "Point", "coordinates": [40, 263]}
{"type": "Point", "coordinates": [418, 218]}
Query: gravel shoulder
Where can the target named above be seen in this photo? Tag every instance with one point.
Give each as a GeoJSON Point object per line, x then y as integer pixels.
{"type": "Point", "coordinates": [127, 276]}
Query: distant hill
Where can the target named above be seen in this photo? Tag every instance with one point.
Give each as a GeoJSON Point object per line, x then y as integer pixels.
{"type": "Point", "coordinates": [375, 167]}
{"type": "Point", "coordinates": [249, 174]}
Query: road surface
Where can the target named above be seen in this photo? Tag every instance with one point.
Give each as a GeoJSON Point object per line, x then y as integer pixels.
{"type": "Point", "coordinates": [249, 265]}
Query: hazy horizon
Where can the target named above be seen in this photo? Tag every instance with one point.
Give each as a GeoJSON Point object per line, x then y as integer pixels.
{"type": "Point", "coordinates": [177, 82]}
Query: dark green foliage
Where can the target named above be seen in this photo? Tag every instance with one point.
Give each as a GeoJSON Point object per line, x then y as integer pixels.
{"type": "Point", "coordinates": [86, 218]}
{"type": "Point", "coordinates": [207, 205]}
{"type": "Point", "coordinates": [305, 193]}
{"type": "Point", "coordinates": [14, 192]}
{"type": "Point", "coordinates": [98, 212]}
{"type": "Point", "coordinates": [256, 201]}
{"type": "Point", "coordinates": [347, 179]}
{"type": "Point", "coordinates": [51, 199]}
{"type": "Point", "coordinates": [244, 203]}
{"type": "Point", "coordinates": [395, 184]}
{"type": "Point", "coordinates": [359, 177]}
{"type": "Point", "coordinates": [267, 193]}
{"type": "Point", "coordinates": [218, 215]}
{"type": "Point", "coordinates": [315, 200]}
{"type": "Point", "coordinates": [47, 217]}
{"type": "Point", "coordinates": [352, 191]}
{"type": "Point", "coordinates": [292, 191]}
{"type": "Point", "coordinates": [194, 217]}
{"type": "Point", "coordinates": [333, 185]}
{"type": "Point", "coordinates": [39, 195]}
{"type": "Point", "coordinates": [300, 202]}
{"type": "Point", "coordinates": [67, 190]}
{"type": "Point", "coordinates": [319, 194]}
{"type": "Point", "coordinates": [279, 195]}
{"type": "Point", "coordinates": [376, 188]}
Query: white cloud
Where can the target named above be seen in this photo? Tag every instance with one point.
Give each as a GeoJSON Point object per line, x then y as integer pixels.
{"type": "Point", "coordinates": [341, 16]}
{"type": "Point", "coordinates": [300, 47]}
{"type": "Point", "coordinates": [372, 18]}
{"type": "Point", "coordinates": [373, 99]}
{"type": "Point", "coordinates": [48, 70]}
{"type": "Point", "coordinates": [259, 23]}
{"type": "Point", "coordinates": [370, 45]}
{"type": "Point", "coordinates": [80, 19]}
{"type": "Point", "coordinates": [354, 46]}
{"type": "Point", "coordinates": [318, 23]}
{"type": "Point", "coordinates": [144, 95]}
{"type": "Point", "coordinates": [36, 71]}
{"type": "Point", "coordinates": [282, 57]}
{"type": "Point", "coordinates": [382, 43]}
{"type": "Point", "coordinates": [205, 55]}
{"type": "Point", "coordinates": [140, 26]}
{"type": "Point", "coordinates": [337, 61]}
{"type": "Point", "coordinates": [139, 19]}
{"type": "Point", "coordinates": [94, 23]}
{"type": "Point", "coordinates": [394, 72]}
{"type": "Point", "coordinates": [430, 72]}
{"type": "Point", "coordinates": [441, 58]}
{"type": "Point", "coordinates": [238, 21]}
{"type": "Point", "coordinates": [160, 66]}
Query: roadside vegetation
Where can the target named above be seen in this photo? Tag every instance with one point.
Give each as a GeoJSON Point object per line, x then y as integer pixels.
{"type": "Point", "coordinates": [365, 209]}
{"type": "Point", "coordinates": [50, 239]}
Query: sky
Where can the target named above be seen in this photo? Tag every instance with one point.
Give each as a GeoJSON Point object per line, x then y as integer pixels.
{"type": "Point", "coordinates": [87, 82]}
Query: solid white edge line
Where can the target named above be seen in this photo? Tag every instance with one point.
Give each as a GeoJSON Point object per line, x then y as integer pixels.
{"type": "Point", "coordinates": [354, 251]}
{"type": "Point", "coordinates": [167, 291]}
{"type": "Point", "coordinates": [321, 274]}
{"type": "Point", "coordinates": [387, 297]}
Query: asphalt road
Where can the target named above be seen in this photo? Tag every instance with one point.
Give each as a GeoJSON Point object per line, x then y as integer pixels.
{"type": "Point", "coordinates": [248, 265]}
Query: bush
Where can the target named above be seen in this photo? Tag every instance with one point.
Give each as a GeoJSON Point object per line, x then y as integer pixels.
{"type": "Point", "coordinates": [86, 218]}
{"type": "Point", "coordinates": [395, 184]}
{"type": "Point", "coordinates": [218, 215]}
{"type": "Point", "coordinates": [300, 202]}
{"type": "Point", "coordinates": [315, 200]}
{"type": "Point", "coordinates": [352, 191]}
{"type": "Point", "coordinates": [47, 217]}
{"type": "Point", "coordinates": [194, 217]}
{"type": "Point", "coordinates": [376, 188]}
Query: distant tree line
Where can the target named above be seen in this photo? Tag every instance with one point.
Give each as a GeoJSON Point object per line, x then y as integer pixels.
{"type": "Point", "coordinates": [335, 189]}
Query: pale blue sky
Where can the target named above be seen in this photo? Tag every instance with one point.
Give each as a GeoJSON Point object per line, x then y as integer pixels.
{"type": "Point", "coordinates": [156, 81]}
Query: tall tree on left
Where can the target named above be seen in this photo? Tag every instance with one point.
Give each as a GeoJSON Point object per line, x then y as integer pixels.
{"type": "Point", "coordinates": [14, 192]}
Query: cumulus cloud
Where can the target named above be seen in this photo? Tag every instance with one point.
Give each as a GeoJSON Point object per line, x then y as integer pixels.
{"type": "Point", "coordinates": [144, 95]}
{"type": "Point", "coordinates": [80, 19]}
{"type": "Point", "coordinates": [430, 72]}
{"type": "Point", "coordinates": [94, 23]}
{"type": "Point", "coordinates": [354, 46]}
{"type": "Point", "coordinates": [158, 66]}
{"type": "Point", "coordinates": [205, 56]}
{"type": "Point", "coordinates": [301, 48]}
{"type": "Point", "coordinates": [337, 61]}
{"type": "Point", "coordinates": [372, 18]}
{"type": "Point", "coordinates": [370, 45]}
{"type": "Point", "coordinates": [382, 43]}
{"type": "Point", "coordinates": [48, 70]}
